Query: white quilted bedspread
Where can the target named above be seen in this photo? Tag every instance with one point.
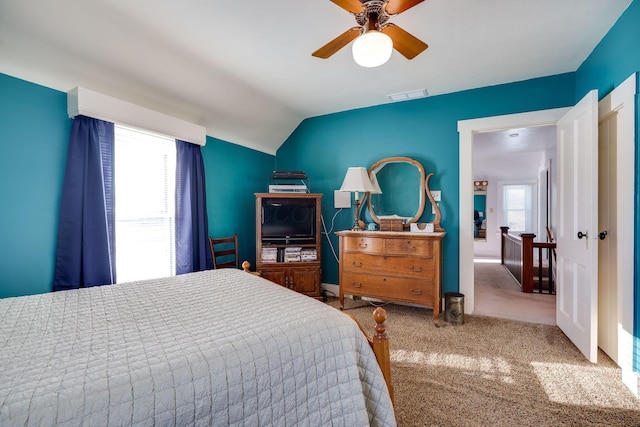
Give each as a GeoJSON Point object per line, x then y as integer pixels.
{"type": "Point", "coordinates": [220, 347]}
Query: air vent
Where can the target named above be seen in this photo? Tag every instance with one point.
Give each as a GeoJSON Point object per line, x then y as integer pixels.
{"type": "Point", "coordinates": [406, 96]}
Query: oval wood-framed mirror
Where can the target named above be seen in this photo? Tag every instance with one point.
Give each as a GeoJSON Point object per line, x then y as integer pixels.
{"type": "Point", "coordinates": [402, 182]}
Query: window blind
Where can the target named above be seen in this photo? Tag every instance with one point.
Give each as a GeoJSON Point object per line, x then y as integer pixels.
{"type": "Point", "coordinates": [144, 170]}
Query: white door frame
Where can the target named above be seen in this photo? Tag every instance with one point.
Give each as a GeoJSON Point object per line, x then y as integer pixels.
{"type": "Point", "coordinates": [466, 130]}
{"type": "Point", "coordinates": [621, 101]}
{"type": "Point", "coordinates": [626, 142]}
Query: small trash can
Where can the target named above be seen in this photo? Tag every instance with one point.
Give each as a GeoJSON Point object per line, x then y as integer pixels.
{"type": "Point", "coordinates": [454, 308]}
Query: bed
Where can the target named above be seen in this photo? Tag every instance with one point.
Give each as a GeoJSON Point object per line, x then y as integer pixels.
{"type": "Point", "coordinates": [220, 347]}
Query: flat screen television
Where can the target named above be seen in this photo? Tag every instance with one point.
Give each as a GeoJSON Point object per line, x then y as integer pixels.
{"type": "Point", "coordinates": [288, 219]}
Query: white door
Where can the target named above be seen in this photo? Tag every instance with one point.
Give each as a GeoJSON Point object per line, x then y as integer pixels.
{"type": "Point", "coordinates": [607, 256]}
{"type": "Point", "coordinates": [577, 230]}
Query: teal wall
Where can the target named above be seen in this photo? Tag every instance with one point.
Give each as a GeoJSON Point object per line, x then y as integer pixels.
{"type": "Point", "coordinates": [425, 130]}
{"type": "Point", "coordinates": [614, 59]}
{"type": "Point", "coordinates": [234, 174]}
{"type": "Point", "coordinates": [34, 132]}
{"type": "Point", "coordinates": [480, 204]}
{"type": "Point", "coordinates": [32, 157]}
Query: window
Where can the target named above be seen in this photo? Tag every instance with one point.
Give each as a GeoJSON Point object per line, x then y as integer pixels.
{"type": "Point", "coordinates": [518, 212]}
{"type": "Point", "coordinates": [144, 176]}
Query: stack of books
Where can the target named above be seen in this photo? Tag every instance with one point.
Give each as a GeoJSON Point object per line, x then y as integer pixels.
{"type": "Point", "coordinates": [308, 254]}
{"type": "Point", "coordinates": [269, 255]}
{"type": "Point", "coordinates": [292, 254]}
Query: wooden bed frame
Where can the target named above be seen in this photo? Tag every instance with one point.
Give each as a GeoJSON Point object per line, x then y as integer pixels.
{"type": "Point", "coordinates": [379, 342]}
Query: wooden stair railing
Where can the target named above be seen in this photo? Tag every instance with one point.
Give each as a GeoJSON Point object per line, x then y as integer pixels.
{"type": "Point", "coordinates": [517, 256]}
{"type": "Point", "coordinates": [511, 254]}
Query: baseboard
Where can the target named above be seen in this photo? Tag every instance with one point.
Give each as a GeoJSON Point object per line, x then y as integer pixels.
{"type": "Point", "coordinates": [332, 290]}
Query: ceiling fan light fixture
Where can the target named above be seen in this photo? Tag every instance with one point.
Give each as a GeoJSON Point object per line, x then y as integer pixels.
{"type": "Point", "coordinates": [372, 49]}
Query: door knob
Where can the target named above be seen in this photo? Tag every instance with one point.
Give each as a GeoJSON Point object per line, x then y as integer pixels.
{"type": "Point", "coordinates": [581, 235]}
{"type": "Point", "coordinates": [602, 235]}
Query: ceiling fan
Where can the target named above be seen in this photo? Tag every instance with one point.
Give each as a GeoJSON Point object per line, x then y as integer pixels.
{"type": "Point", "coordinates": [372, 17]}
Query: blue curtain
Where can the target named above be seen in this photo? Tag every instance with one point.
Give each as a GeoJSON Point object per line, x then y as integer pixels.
{"type": "Point", "coordinates": [192, 229]}
{"type": "Point", "coordinates": [85, 253]}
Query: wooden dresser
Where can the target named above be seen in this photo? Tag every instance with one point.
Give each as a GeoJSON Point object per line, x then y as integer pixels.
{"type": "Point", "coordinates": [392, 266]}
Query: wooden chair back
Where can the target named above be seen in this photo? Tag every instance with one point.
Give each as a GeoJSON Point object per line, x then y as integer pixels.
{"type": "Point", "coordinates": [224, 251]}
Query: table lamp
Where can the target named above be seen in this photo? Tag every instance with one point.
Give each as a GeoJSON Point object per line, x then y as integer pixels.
{"type": "Point", "coordinates": [357, 181]}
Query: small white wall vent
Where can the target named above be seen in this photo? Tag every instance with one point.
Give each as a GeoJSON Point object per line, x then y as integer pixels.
{"type": "Point", "coordinates": [81, 101]}
{"type": "Point", "coordinates": [406, 96]}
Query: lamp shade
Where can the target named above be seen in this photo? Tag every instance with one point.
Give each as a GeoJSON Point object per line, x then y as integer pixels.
{"type": "Point", "coordinates": [372, 49]}
{"type": "Point", "coordinates": [357, 180]}
{"type": "Point", "coordinates": [374, 183]}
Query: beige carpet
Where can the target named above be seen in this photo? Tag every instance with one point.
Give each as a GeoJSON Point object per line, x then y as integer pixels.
{"type": "Point", "coordinates": [494, 372]}
{"type": "Point", "coordinates": [497, 294]}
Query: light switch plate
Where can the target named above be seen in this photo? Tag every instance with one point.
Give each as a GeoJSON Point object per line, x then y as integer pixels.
{"type": "Point", "coordinates": [437, 195]}
{"type": "Point", "coordinates": [341, 199]}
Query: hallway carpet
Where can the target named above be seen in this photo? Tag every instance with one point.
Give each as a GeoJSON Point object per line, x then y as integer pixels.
{"type": "Point", "coordinates": [497, 294]}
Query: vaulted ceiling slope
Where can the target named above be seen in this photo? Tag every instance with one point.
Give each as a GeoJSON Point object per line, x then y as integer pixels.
{"type": "Point", "coordinates": [244, 70]}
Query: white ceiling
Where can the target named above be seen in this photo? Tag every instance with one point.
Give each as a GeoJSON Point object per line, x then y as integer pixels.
{"type": "Point", "coordinates": [244, 70]}
{"type": "Point", "coordinates": [513, 154]}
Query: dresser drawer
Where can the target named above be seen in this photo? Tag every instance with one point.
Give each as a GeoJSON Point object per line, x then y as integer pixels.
{"type": "Point", "coordinates": [389, 288]}
{"type": "Point", "coordinates": [409, 247]}
{"type": "Point", "coordinates": [417, 268]}
{"type": "Point", "coordinates": [369, 245]}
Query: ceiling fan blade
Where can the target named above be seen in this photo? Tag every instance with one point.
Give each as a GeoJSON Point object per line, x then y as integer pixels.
{"type": "Point", "coordinates": [353, 6]}
{"type": "Point", "coordinates": [338, 43]}
{"type": "Point", "coordinates": [395, 7]}
{"type": "Point", "coordinates": [408, 45]}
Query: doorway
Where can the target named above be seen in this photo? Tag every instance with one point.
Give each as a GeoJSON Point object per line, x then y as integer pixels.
{"type": "Point", "coordinates": [513, 165]}
{"type": "Point", "coordinates": [468, 129]}
{"type": "Point", "coordinates": [620, 102]}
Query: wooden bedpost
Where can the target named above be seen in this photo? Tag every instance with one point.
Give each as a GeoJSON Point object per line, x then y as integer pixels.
{"type": "Point", "coordinates": [380, 344]}
{"type": "Point", "coordinates": [246, 265]}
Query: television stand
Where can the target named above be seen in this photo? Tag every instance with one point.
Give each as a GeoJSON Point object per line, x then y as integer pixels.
{"type": "Point", "coordinates": [291, 262]}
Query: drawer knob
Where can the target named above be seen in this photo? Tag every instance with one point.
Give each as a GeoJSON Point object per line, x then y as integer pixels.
{"type": "Point", "coordinates": [416, 269]}
{"type": "Point", "coordinates": [363, 245]}
{"type": "Point", "coordinates": [416, 292]}
{"type": "Point", "coordinates": [356, 285]}
{"type": "Point", "coordinates": [356, 264]}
